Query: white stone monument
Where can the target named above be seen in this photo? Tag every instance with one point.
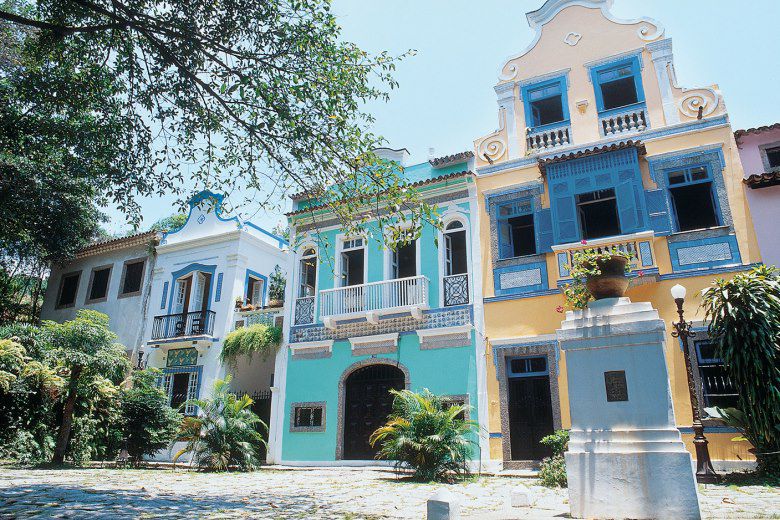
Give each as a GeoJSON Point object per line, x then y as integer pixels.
{"type": "Point", "coordinates": [625, 458]}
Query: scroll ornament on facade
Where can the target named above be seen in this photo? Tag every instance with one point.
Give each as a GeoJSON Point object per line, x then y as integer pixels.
{"type": "Point", "coordinates": [494, 145]}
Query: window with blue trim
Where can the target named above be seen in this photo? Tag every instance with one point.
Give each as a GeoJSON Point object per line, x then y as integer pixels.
{"type": "Point", "coordinates": [693, 198]}
{"type": "Point", "coordinates": [618, 85]}
{"type": "Point", "coordinates": [516, 234]}
{"type": "Point", "coordinates": [546, 103]}
{"type": "Point", "coordinates": [716, 386]}
{"type": "Point", "coordinates": [527, 367]}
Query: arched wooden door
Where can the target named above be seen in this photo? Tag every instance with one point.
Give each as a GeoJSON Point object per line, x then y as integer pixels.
{"type": "Point", "coordinates": [367, 404]}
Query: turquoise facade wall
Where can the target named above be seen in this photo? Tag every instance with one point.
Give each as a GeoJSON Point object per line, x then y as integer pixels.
{"type": "Point", "coordinates": [444, 371]}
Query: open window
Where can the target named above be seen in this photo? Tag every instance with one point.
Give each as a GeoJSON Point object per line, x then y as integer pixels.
{"type": "Point", "coordinates": [191, 303]}
{"type": "Point", "coordinates": [98, 284]}
{"type": "Point", "coordinates": [308, 273]}
{"type": "Point", "coordinates": [716, 386]}
{"type": "Point", "coordinates": [182, 386]}
{"type": "Point", "coordinates": [772, 157]}
{"type": "Point", "coordinates": [69, 287]}
{"type": "Point", "coordinates": [254, 291]}
{"type": "Point", "coordinates": [545, 103]}
{"type": "Point", "coordinates": [403, 261]}
{"type": "Point", "coordinates": [455, 249]}
{"type": "Point", "coordinates": [132, 278]}
{"type": "Point", "coordinates": [618, 85]}
{"type": "Point", "coordinates": [693, 198]}
{"type": "Point", "coordinates": [598, 214]}
{"type": "Point", "coordinates": [516, 231]}
{"type": "Point", "coordinates": [352, 262]}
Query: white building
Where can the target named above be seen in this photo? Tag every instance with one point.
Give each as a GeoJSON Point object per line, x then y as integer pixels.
{"type": "Point", "coordinates": [112, 277]}
{"type": "Point", "coordinates": [200, 271]}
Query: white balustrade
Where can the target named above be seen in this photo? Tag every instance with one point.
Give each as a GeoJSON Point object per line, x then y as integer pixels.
{"type": "Point", "coordinates": [549, 138]}
{"type": "Point", "coordinates": [641, 257]}
{"type": "Point", "coordinates": [260, 316]}
{"type": "Point", "coordinates": [633, 120]}
{"type": "Point", "coordinates": [399, 294]}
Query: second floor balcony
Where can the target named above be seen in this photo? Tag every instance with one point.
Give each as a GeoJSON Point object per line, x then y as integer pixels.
{"type": "Point", "coordinates": [198, 323]}
{"type": "Point", "coordinates": [369, 300]}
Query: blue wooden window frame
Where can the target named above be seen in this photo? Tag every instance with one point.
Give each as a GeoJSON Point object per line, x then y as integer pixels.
{"type": "Point", "coordinates": [600, 75]}
{"type": "Point", "coordinates": [528, 360]}
{"type": "Point", "coordinates": [516, 208]}
{"type": "Point", "coordinates": [688, 180]}
{"type": "Point", "coordinates": [545, 90]}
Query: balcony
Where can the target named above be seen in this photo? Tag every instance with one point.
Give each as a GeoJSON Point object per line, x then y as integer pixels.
{"type": "Point", "coordinates": [638, 245]}
{"type": "Point", "coordinates": [198, 323]}
{"type": "Point", "coordinates": [371, 300]}
{"type": "Point", "coordinates": [547, 139]}
{"type": "Point", "coordinates": [269, 316]}
{"type": "Point", "coordinates": [456, 290]}
{"type": "Point", "coordinates": [623, 120]}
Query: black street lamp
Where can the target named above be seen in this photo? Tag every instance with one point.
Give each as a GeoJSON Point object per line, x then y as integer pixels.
{"type": "Point", "coordinates": [705, 474]}
{"type": "Point", "coordinates": [139, 365]}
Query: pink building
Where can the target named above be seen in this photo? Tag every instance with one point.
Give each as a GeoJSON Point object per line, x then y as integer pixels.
{"type": "Point", "coordinates": [759, 149]}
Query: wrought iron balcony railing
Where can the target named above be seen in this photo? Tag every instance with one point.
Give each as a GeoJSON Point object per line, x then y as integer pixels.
{"type": "Point", "coordinates": [196, 323]}
{"type": "Point", "coordinates": [304, 310]}
{"type": "Point", "coordinates": [456, 290]}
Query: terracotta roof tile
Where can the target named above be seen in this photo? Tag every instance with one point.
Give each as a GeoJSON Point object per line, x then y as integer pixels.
{"type": "Point", "coordinates": [757, 130]}
{"type": "Point", "coordinates": [763, 180]}
{"type": "Point", "coordinates": [114, 244]}
{"type": "Point", "coordinates": [440, 162]}
{"type": "Point", "coordinates": [417, 184]}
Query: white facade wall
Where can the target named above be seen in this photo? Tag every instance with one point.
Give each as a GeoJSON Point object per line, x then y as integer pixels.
{"type": "Point", "coordinates": [126, 313]}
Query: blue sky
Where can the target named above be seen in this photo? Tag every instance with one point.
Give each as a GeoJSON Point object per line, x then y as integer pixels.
{"type": "Point", "coordinates": [446, 100]}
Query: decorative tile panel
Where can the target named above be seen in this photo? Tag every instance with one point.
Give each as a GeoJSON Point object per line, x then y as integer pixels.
{"type": "Point", "coordinates": [523, 278]}
{"type": "Point", "coordinates": [704, 253]}
{"type": "Point", "coordinates": [520, 279]}
{"type": "Point", "coordinates": [646, 253]}
{"type": "Point", "coordinates": [458, 339]}
{"type": "Point", "coordinates": [563, 265]}
{"type": "Point", "coordinates": [218, 290]}
{"type": "Point", "coordinates": [164, 295]}
{"type": "Point", "coordinates": [701, 254]}
{"type": "Point", "coordinates": [181, 357]}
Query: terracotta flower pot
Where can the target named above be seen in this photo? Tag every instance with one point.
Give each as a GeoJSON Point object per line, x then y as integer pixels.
{"type": "Point", "coordinates": [612, 282]}
{"type": "Point", "coordinates": [273, 303]}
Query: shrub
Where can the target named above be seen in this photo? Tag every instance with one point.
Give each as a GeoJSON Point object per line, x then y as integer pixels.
{"type": "Point", "coordinates": [148, 423]}
{"type": "Point", "coordinates": [259, 338]}
{"type": "Point", "coordinates": [744, 315]}
{"type": "Point", "coordinates": [553, 469]}
{"type": "Point", "coordinates": [225, 434]}
{"type": "Point", "coordinates": [426, 433]}
{"type": "Point", "coordinates": [277, 284]}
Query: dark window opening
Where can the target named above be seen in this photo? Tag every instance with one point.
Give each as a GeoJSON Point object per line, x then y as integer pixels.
{"type": "Point", "coordinates": [523, 239]}
{"type": "Point", "coordinates": [405, 260]}
{"type": "Point", "coordinates": [308, 274]}
{"type": "Point", "coordinates": [308, 417]}
{"type": "Point", "coordinates": [254, 291]}
{"type": "Point", "coordinates": [99, 288]}
{"type": "Point", "coordinates": [455, 243]}
{"type": "Point", "coordinates": [694, 206]}
{"type": "Point", "coordinates": [598, 214]}
{"type": "Point", "coordinates": [716, 386]}
{"type": "Point", "coordinates": [619, 93]}
{"type": "Point", "coordinates": [547, 111]}
{"type": "Point", "coordinates": [528, 366]}
{"type": "Point", "coordinates": [352, 263]}
{"type": "Point", "coordinates": [68, 290]}
{"type": "Point", "coordinates": [773, 157]}
{"type": "Point", "coordinates": [179, 387]}
{"type": "Point", "coordinates": [133, 275]}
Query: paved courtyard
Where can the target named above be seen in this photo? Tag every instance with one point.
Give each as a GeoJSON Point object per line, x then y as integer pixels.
{"type": "Point", "coordinates": [313, 493]}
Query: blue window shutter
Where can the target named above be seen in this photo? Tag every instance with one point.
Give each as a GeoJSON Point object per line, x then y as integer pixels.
{"type": "Point", "coordinates": [658, 211]}
{"type": "Point", "coordinates": [544, 230]}
{"type": "Point", "coordinates": [218, 291]}
{"type": "Point", "coordinates": [564, 213]}
{"type": "Point", "coordinates": [164, 295]}
{"type": "Point", "coordinates": [626, 203]}
{"type": "Point", "coordinates": [505, 247]}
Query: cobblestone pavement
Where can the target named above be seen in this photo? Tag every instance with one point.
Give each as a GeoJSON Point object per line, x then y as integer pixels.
{"type": "Point", "coordinates": [311, 493]}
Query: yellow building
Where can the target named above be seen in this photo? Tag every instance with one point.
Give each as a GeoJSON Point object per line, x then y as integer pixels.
{"type": "Point", "coordinates": [598, 146]}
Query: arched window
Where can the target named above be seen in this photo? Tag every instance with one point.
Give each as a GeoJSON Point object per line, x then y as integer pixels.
{"type": "Point", "coordinates": [455, 261]}
{"type": "Point", "coordinates": [308, 273]}
{"type": "Point", "coordinates": [456, 280]}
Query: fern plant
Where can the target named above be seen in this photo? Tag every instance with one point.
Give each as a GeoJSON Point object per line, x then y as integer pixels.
{"type": "Point", "coordinates": [428, 435]}
{"type": "Point", "coordinates": [226, 433]}
{"type": "Point", "coordinates": [246, 341]}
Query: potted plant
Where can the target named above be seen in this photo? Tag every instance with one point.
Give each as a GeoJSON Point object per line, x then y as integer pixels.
{"type": "Point", "coordinates": [239, 303]}
{"type": "Point", "coordinates": [597, 275]}
{"type": "Point", "coordinates": [276, 288]}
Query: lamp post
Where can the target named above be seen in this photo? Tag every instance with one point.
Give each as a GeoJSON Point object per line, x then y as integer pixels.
{"type": "Point", "coordinates": [705, 474]}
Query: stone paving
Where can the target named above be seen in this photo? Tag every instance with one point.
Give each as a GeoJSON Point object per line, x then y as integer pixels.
{"type": "Point", "coordinates": [311, 493]}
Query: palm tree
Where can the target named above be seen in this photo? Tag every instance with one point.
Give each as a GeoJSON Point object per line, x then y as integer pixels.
{"type": "Point", "coordinates": [428, 434]}
{"type": "Point", "coordinates": [225, 433]}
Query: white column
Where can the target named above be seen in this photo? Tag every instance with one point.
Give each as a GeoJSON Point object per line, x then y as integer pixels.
{"type": "Point", "coordinates": [505, 93]}
{"type": "Point", "coordinates": [663, 63]}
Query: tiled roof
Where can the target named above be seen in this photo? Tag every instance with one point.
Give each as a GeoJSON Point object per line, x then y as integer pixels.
{"type": "Point", "coordinates": [756, 130]}
{"type": "Point", "coordinates": [762, 180]}
{"type": "Point", "coordinates": [440, 162]}
{"type": "Point", "coordinates": [594, 150]}
{"type": "Point", "coordinates": [115, 244]}
{"type": "Point", "coordinates": [417, 184]}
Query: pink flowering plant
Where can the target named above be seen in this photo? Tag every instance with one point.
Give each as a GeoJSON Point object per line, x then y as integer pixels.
{"type": "Point", "coordinates": [584, 265]}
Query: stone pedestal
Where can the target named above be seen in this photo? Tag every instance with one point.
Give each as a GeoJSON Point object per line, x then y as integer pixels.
{"type": "Point", "coordinates": [625, 458]}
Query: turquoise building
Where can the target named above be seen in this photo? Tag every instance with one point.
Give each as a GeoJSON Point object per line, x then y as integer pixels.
{"type": "Point", "coordinates": [364, 319]}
